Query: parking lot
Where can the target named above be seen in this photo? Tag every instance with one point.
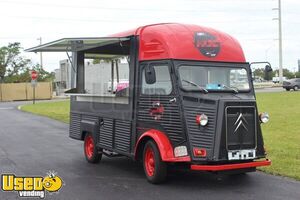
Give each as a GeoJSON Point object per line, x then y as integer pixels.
{"type": "Point", "coordinates": [33, 145]}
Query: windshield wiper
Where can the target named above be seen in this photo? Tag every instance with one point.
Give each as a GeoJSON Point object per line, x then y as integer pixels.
{"type": "Point", "coordinates": [196, 85]}
{"type": "Point", "coordinates": [230, 88]}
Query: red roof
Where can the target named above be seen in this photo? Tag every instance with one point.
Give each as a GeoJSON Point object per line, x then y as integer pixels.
{"type": "Point", "coordinates": [185, 42]}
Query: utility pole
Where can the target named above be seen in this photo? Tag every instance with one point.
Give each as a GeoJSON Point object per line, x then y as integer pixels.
{"type": "Point", "coordinates": [279, 40]}
{"type": "Point", "coordinates": [41, 55]}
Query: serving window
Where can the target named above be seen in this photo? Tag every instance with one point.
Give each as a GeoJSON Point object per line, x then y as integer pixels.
{"type": "Point", "coordinates": [106, 74]}
{"type": "Point", "coordinates": [100, 73]}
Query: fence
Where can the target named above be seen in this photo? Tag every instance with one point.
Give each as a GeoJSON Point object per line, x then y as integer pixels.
{"type": "Point", "coordinates": [24, 91]}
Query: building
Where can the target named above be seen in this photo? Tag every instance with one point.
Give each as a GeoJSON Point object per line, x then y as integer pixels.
{"type": "Point", "coordinates": [62, 77]}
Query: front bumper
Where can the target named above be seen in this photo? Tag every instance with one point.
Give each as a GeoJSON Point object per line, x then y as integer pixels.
{"type": "Point", "coordinates": [231, 166]}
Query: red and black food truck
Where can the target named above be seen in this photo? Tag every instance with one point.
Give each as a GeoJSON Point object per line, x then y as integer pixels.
{"type": "Point", "coordinates": [165, 94]}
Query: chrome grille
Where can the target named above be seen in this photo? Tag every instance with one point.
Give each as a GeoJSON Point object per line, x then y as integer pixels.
{"type": "Point", "coordinates": [240, 127]}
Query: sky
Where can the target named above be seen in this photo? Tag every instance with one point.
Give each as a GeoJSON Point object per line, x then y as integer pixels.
{"type": "Point", "coordinates": [249, 21]}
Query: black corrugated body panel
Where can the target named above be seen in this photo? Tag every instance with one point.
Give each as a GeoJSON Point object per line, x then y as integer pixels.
{"type": "Point", "coordinates": [201, 137]}
{"type": "Point", "coordinates": [106, 133]}
{"type": "Point", "coordinates": [90, 118]}
{"type": "Point", "coordinates": [170, 120]}
{"type": "Point", "coordinates": [122, 135]}
{"type": "Point", "coordinates": [75, 126]}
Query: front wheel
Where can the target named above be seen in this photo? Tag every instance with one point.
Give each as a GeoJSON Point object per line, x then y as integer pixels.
{"type": "Point", "coordinates": [287, 89]}
{"type": "Point", "coordinates": [296, 88]}
{"type": "Point", "coordinates": [91, 152]}
{"type": "Point", "coordinates": [155, 169]}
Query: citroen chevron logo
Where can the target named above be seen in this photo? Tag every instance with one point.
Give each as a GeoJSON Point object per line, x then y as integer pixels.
{"type": "Point", "coordinates": [240, 123]}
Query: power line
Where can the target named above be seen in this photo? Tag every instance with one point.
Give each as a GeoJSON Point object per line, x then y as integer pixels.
{"type": "Point", "coordinates": [121, 21]}
{"type": "Point", "coordinates": [122, 9]}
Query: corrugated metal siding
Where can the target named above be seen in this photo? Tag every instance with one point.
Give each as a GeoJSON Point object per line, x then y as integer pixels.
{"type": "Point", "coordinates": [201, 136]}
{"type": "Point", "coordinates": [113, 134]}
{"type": "Point", "coordinates": [90, 118]}
{"type": "Point", "coordinates": [106, 133]}
{"type": "Point", "coordinates": [75, 126]}
{"type": "Point", "coordinates": [122, 135]}
{"type": "Point", "coordinates": [170, 120]}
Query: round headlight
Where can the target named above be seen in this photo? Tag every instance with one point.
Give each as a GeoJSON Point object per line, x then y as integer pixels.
{"type": "Point", "coordinates": [202, 120]}
{"type": "Point", "coordinates": [264, 117]}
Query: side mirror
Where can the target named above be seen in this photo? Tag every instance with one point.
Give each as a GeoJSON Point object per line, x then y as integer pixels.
{"type": "Point", "coordinates": [150, 76]}
{"type": "Point", "coordinates": [268, 68]}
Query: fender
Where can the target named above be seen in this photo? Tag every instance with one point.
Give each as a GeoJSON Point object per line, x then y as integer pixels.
{"type": "Point", "coordinates": [89, 126]}
{"type": "Point", "coordinates": [164, 145]}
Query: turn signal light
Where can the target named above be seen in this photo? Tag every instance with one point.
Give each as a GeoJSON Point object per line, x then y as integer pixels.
{"type": "Point", "coordinates": [199, 152]}
{"type": "Point", "coordinates": [264, 117]}
{"type": "Point", "coordinates": [202, 120]}
{"type": "Point", "coordinates": [180, 151]}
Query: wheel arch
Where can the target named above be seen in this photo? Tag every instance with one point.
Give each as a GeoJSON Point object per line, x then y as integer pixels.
{"type": "Point", "coordinates": [89, 127]}
{"type": "Point", "coordinates": [83, 133]}
{"type": "Point", "coordinates": [163, 143]}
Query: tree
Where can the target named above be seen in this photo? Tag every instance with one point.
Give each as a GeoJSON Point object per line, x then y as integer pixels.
{"type": "Point", "coordinates": [11, 62]}
{"type": "Point", "coordinates": [25, 76]}
{"type": "Point", "coordinates": [259, 72]}
{"type": "Point", "coordinates": [43, 75]}
{"type": "Point", "coordinates": [288, 74]}
{"type": "Point", "coordinates": [15, 69]}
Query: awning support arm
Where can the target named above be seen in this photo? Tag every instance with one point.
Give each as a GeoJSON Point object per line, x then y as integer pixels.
{"type": "Point", "coordinates": [112, 76]}
{"type": "Point", "coordinates": [117, 71]}
{"type": "Point", "coordinates": [72, 65]}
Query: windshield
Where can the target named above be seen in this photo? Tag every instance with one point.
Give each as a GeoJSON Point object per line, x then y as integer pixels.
{"type": "Point", "coordinates": [213, 78]}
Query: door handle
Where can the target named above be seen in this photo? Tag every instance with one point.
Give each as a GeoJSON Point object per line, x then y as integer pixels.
{"type": "Point", "coordinates": [173, 100]}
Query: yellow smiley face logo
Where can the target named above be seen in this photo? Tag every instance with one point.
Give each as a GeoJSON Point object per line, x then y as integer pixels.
{"type": "Point", "coordinates": [52, 183]}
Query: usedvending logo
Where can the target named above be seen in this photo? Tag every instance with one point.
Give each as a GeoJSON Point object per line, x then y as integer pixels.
{"type": "Point", "coordinates": [207, 44]}
{"type": "Point", "coordinates": [32, 186]}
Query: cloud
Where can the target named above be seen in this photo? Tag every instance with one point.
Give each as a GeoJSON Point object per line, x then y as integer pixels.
{"type": "Point", "coordinates": [250, 21]}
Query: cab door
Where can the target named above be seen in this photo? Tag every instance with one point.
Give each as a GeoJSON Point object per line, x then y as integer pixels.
{"type": "Point", "coordinates": [158, 103]}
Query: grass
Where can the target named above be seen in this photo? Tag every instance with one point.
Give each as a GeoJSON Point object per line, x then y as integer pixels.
{"type": "Point", "coordinates": [281, 134]}
{"type": "Point", "coordinates": [58, 110]}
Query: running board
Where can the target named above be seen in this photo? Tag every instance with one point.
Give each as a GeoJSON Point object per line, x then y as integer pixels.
{"type": "Point", "coordinates": [110, 153]}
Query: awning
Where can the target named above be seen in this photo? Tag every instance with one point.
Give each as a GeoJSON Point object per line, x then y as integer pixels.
{"type": "Point", "coordinates": [76, 44]}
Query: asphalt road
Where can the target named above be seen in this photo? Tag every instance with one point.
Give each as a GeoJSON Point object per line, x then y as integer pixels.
{"type": "Point", "coordinates": [33, 145]}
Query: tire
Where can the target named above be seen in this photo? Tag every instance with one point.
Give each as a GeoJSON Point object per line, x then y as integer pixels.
{"type": "Point", "coordinates": [287, 89]}
{"type": "Point", "coordinates": [296, 88]}
{"type": "Point", "coordinates": [91, 152]}
{"type": "Point", "coordinates": [155, 169]}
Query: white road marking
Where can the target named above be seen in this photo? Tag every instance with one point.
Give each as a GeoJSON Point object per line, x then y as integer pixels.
{"type": "Point", "coordinates": [7, 108]}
